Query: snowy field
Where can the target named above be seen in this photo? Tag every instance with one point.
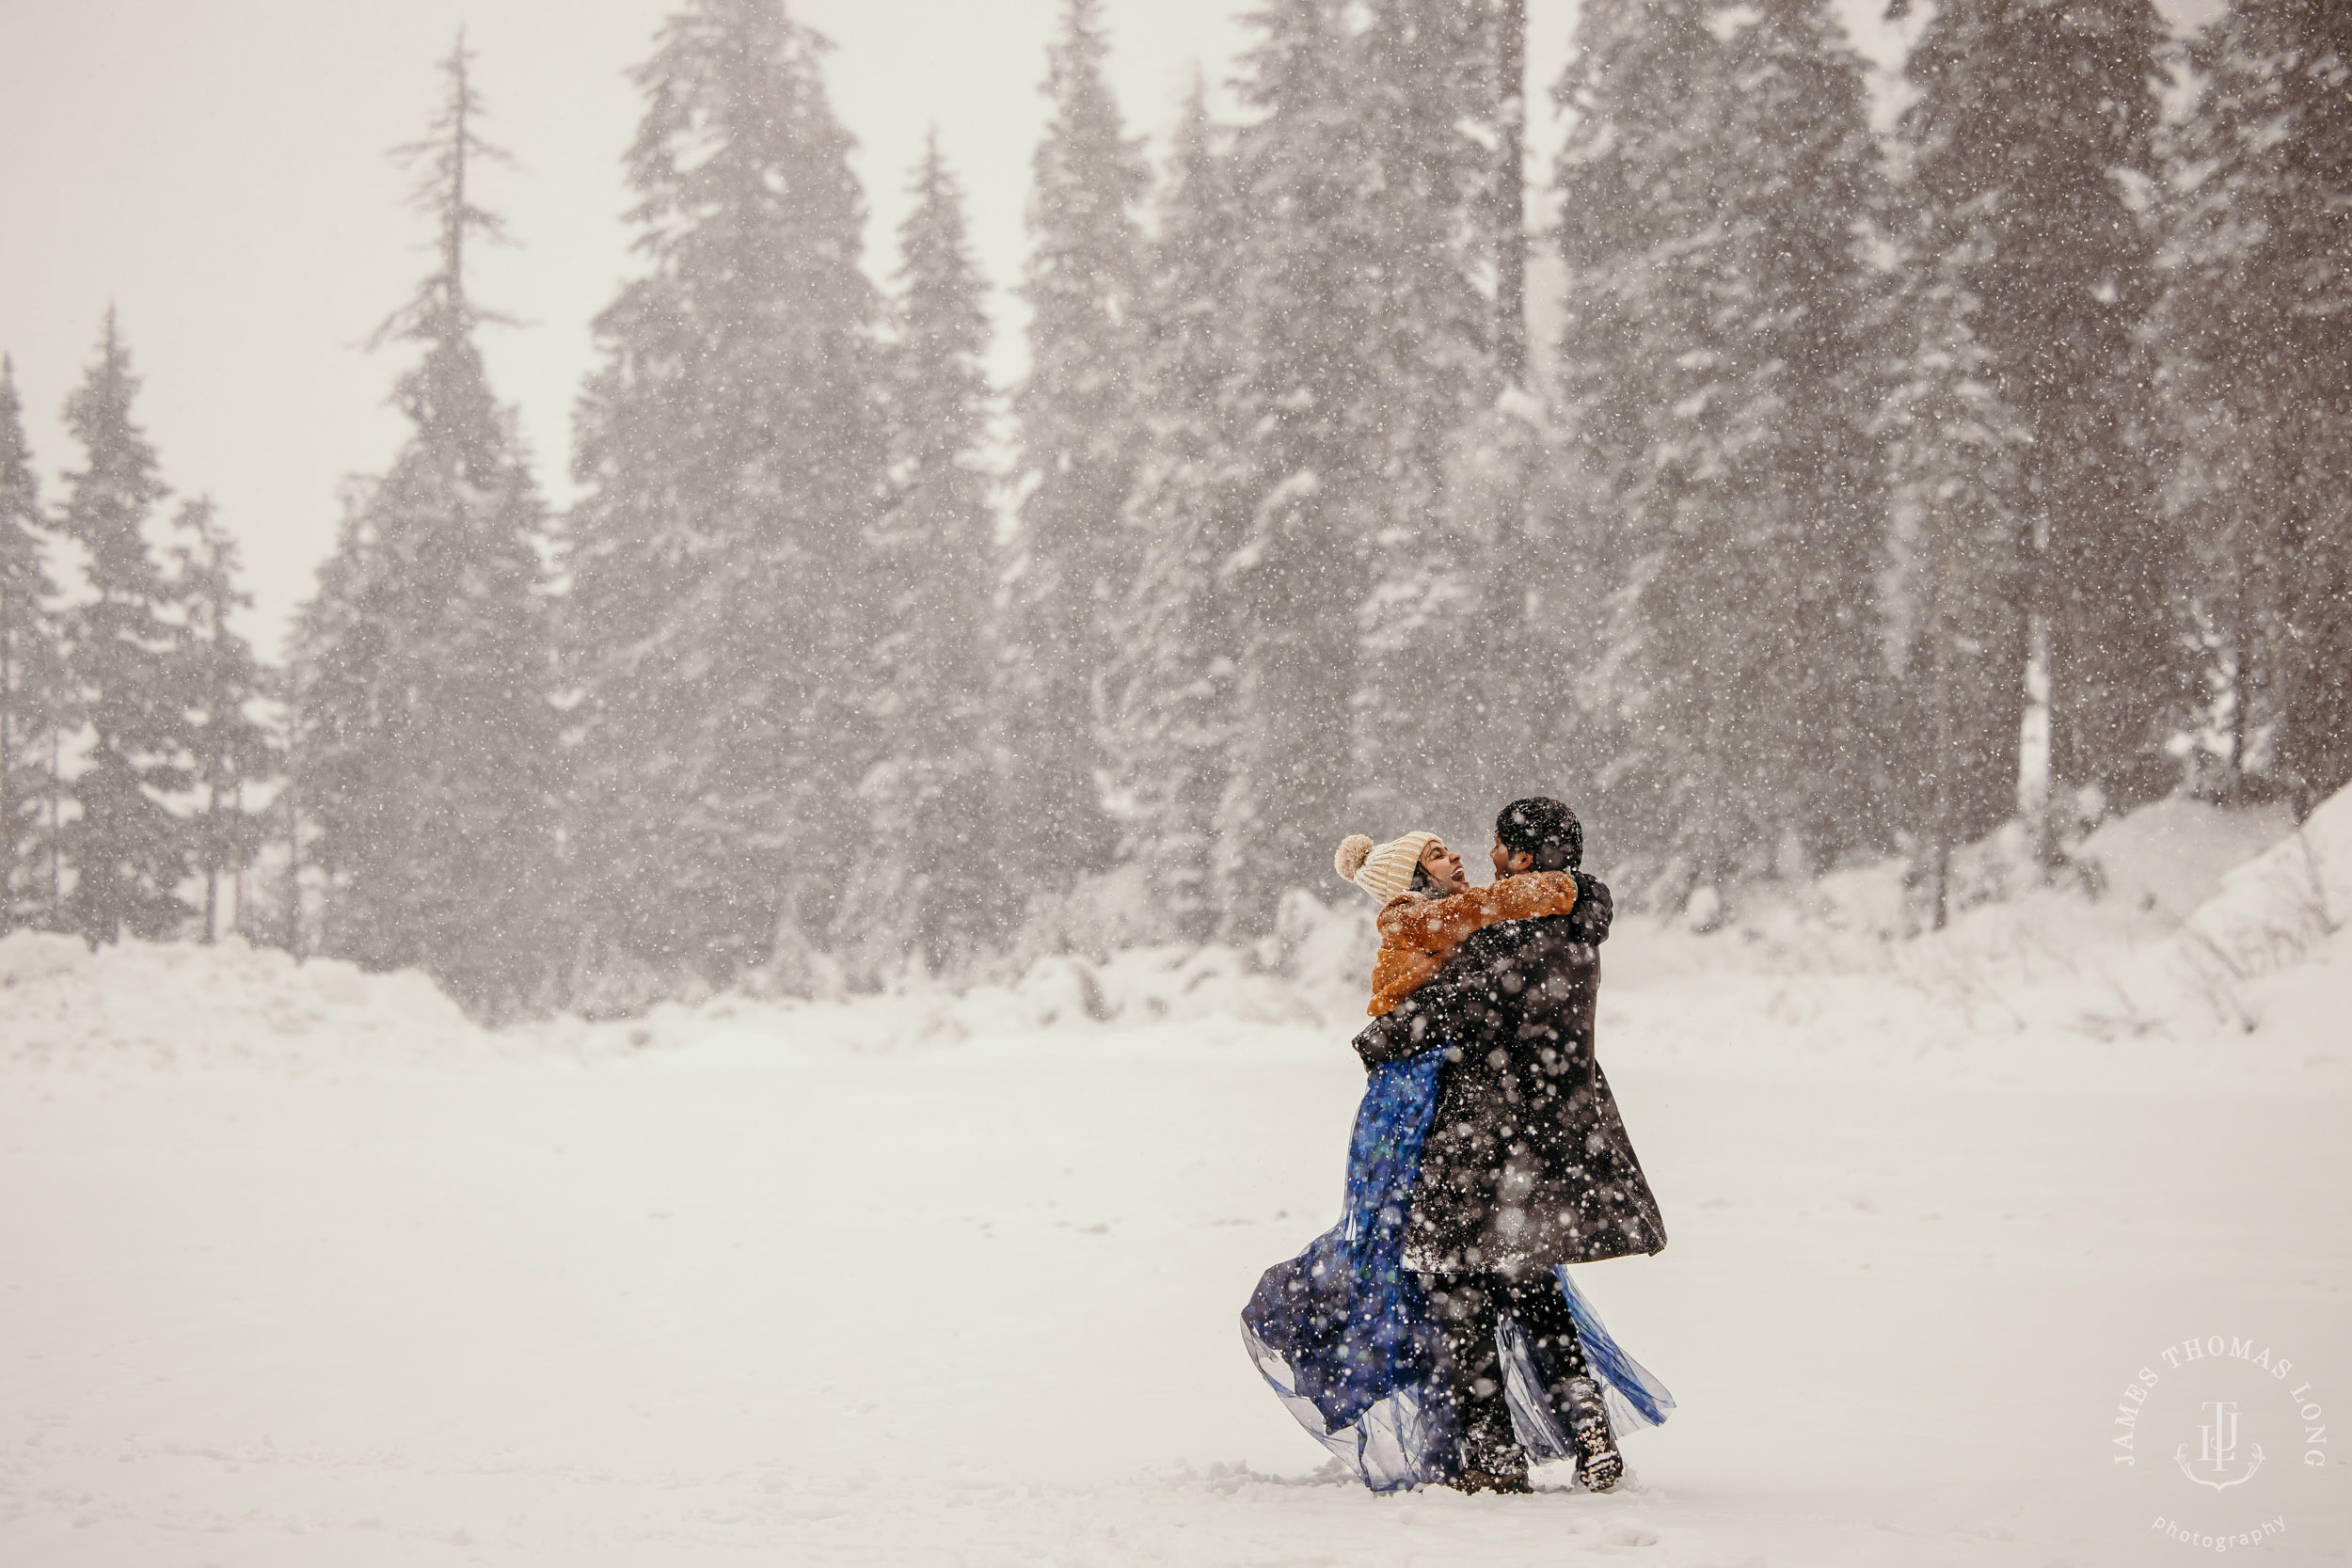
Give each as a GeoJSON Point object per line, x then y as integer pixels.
{"type": "Point", "coordinates": [298, 1268]}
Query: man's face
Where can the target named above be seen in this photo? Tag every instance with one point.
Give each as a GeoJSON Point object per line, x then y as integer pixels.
{"type": "Point", "coordinates": [1444, 867]}
{"type": "Point", "coordinates": [1507, 863]}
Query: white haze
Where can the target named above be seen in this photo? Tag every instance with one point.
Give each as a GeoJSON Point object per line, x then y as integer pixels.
{"type": "Point", "coordinates": [217, 173]}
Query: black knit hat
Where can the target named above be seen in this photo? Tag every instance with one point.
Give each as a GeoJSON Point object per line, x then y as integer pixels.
{"type": "Point", "coordinates": [1542, 827]}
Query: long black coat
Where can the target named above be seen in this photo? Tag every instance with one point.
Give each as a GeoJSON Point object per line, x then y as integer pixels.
{"type": "Point", "coordinates": [1527, 1162]}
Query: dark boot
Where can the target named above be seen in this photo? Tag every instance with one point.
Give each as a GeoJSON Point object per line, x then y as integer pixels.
{"type": "Point", "coordinates": [1598, 1465]}
{"type": "Point", "coordinates": [1506, 1481]}
{"type": "Point", "coordinates": [1471, 1378]}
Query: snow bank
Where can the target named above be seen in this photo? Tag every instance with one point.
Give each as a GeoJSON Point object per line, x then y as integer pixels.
{"type": "Point", "coordinates": [2191, 945]}
{"type": "Point", "coordinates": [2189, 928]}
{"type": "Point", "coordinates": [2278, 906]}
{"type": "Point", "coordinates": [179, 1004]}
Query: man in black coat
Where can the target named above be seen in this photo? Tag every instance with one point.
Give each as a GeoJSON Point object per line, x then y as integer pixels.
{"type": "Point", "coordinates": [1527, 1163]}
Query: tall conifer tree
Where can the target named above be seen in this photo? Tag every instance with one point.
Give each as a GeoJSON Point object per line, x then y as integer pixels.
{"type": "Point", "coordinates": [1808, 307]}
{"type": "Point", "coordinates": [1721, 168]}
{"type": "Point", "coordinates": [1631, 177]}
{"type": "Point", "coordinates": [733, 450]}
{"type": "Point", "coordinates": [1422, 86]}
{"type": "Point", "coordinates": [2032, 119]}
{"type": "Point", "coordinates": [1324, 402]}
{"type": "Point", "coordinates": [428, 758]}
{"type": "Point", "coordinates": [1953, 450]}
{"type": "Point", "coordinates": [128, 851]}
{"type": "Point", "coordinates": [1172, 684]}
{"type": "Point", "coordinates": [32, 675]}
{"type": "Point", "coordinates": [229, 748]}
{"type": "Point", "coordinates": [2258, 325]}
{"type": "Point", "coordinates": [927, 882]}
{"type": "Point", "coordinates": [1080, 414]}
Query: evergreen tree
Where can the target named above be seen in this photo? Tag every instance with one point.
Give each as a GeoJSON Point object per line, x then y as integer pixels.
{"type": "Point", "coordinates": [1631, 179]}
{"type": "Point", "coordinates": [2032, 119]}
{"type": "Point", "coordinates": [1953, 450]}
{"type": "Point", "coordinates": [1435, 621]}
{"type": "Point", "coordinates": [229, 748]}
{"type": "Point", "coordinates": [1722, 169]}
{"type": "Point", "coordinates": [1172, 683]}
{"type": "Point", "coordinates": [1508, 192]}
{"type": "Point", "coordinates": [734, 455]}
{"type": "Point", "coordinates": [926, 882]}
{"type": "Point", "coordinates": [128, 851]}
{"type": "Point", "coordinates": [1303, 397]}
{"type": "Point", "coordinates": [1806, 183]}
{"type": "Point", "coordinates": [1502, 500]}
{"type": "Point", "coordinates": [1360, 335]}
{"type": "Point", "coordinates": [2258, 329]}
{"type": "Point", "coordinates": [428, 753]}
{"type": "Point", "coordinates": [1081, 439]}
{"type": "Point", "coordinates": [32, 677]}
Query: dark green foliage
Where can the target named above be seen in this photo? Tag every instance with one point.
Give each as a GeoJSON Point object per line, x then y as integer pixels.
{"type": "Point", "coordinates": [733, 452]}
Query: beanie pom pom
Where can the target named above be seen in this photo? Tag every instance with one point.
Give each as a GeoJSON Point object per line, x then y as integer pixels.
{"type": "Point", "coordinates": [1349, 858]}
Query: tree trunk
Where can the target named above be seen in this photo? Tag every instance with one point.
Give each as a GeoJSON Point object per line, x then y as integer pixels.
{"type": "Point", "coordinates": [236, 881]}
{"type": "Point", "coordinates": [1939, 627]}
{"type": "Point", "coordinates": [2233, 782]}
{"type": "Point", "coordinates": [1510, 209]}
{"type": "Point", "coordinates": [56, 866]}
{"type": "Point", "coordinates": [294, 868]}
{"type": "Point", "coordinates": [2034, 736]}
{"type": "Point", "coordinates": [212, 863]}
{"type": "Point", "coordinates": [8, 775]}
{"type": "Point", "coordinates": [2033, 741]}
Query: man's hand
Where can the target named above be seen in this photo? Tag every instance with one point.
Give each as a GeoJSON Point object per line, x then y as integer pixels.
{"type": "Point", "coordinates": [1388, 1039]}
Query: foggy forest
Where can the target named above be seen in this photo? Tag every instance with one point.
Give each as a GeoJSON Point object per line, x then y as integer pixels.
{"type": "Point", "coordinates": [1857, 492]}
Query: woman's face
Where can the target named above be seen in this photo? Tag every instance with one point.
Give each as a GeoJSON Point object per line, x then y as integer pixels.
{"type": "Point", "coordinates": [1444, 866]}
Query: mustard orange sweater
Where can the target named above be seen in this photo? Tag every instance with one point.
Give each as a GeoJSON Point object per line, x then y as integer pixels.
{"type": "Point", "coordinates": [1417, 935]}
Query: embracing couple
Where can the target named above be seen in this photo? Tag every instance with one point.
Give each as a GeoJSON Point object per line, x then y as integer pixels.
{"type": "Point", "coordinates": [1434, 1335]}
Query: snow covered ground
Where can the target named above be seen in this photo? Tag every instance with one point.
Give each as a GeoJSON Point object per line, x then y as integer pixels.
{"type": "Point", "coordinates": [297, 1267]}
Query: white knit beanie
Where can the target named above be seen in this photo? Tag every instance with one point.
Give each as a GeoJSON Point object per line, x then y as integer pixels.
{"type": "Point", "coordinates": [1383, 870]}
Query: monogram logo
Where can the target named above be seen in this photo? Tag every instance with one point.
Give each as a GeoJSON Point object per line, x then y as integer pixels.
{"type": "Point", "coordinates": [2234, 1414]}
{"type": "Point", "coordinates": [2218, 1450]}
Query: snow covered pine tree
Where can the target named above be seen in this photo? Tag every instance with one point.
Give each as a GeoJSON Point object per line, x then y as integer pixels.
{"type": "Point", "coordinates": [129, 853]}
{"type": "Point", "coordinates": [34, 698]}
{"type": "Point", "coordinates": [734, 453]}
{"type": "Point", "coordinates": [428, 757]}
{"type": "Point", "coordinates": [925, 884]}
{"type": "Point", "coordinates": [2257, 330]}
{"type": "Point", "coordinates": [1081, 433]}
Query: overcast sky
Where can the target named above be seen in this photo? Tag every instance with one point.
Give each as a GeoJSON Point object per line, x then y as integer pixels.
{"type": "Point", "coordinates": [216, 168]}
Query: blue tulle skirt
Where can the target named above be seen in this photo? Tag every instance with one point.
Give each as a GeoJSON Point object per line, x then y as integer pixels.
{"type": "Point", "coordinates": [1344, 1332]}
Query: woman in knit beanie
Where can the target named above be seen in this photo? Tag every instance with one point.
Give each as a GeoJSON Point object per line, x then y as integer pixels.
{"type": "Point", "coordinates": [1428, 909]}
{"type": "Point", "coordinates": [1363, 1348]}
{"type": "Point", "coordinates": [1386, 870]}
